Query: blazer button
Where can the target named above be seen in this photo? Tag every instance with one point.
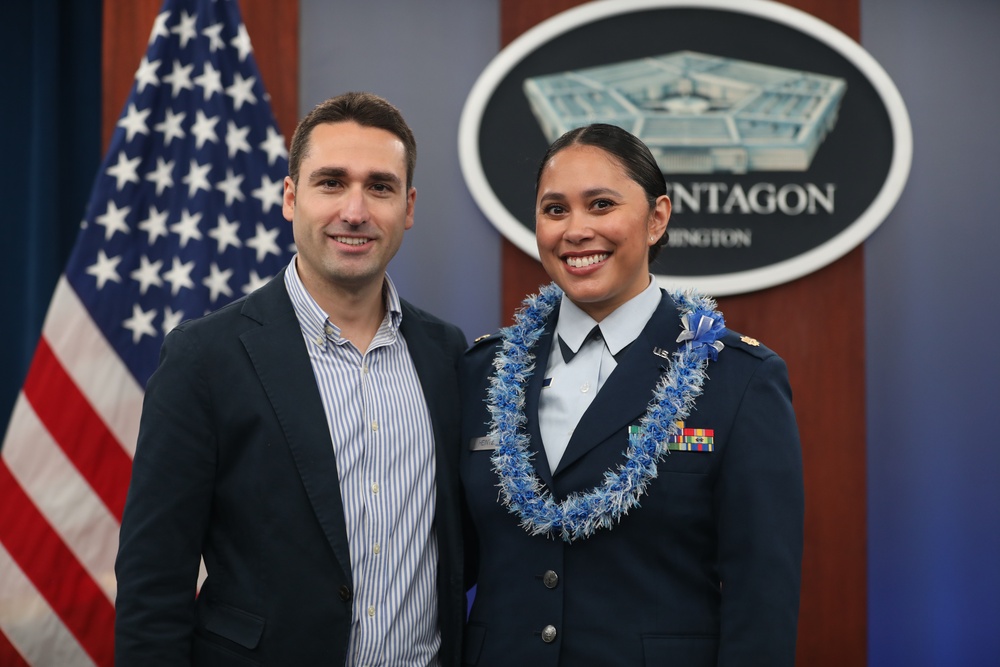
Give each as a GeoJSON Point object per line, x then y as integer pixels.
{"type": "Point", "coordinates": [548, 634]}
{"type": "Point", "coordinates": [550, 579]}
{"type": "Point", "coordinates": [345, 593]}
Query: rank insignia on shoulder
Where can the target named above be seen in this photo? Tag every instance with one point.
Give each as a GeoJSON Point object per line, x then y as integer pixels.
{"type": "Point", "coordinates": [481, 338]}
{"type": "Point", "coordinates": [753, 342]}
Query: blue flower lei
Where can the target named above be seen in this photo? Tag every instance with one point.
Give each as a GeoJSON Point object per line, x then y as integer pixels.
{"type": "Point", "coordinates": [580, 514]}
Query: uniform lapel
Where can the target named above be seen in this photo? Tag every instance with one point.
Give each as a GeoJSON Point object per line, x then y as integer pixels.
{"type": "Point", "coordinates": [629, 389]}
{"type": "Point", "coordinates": [276, 349]}
{"type": "Point", "coordinates": [533, 392]}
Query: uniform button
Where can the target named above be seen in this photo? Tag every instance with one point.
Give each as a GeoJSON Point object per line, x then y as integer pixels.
{"type": "Point", "coordinates": [585, 387]}
{"type": "Point", "coordinates": [550, 579]}
{"type": "Point", "coordinates": [548, 634]}
{"type": "Point", "coordinates": [345, 593]}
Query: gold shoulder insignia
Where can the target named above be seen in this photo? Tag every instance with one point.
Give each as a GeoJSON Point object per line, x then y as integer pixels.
{"type": "Point", "coordinates": [753, 342]}
{"type": "Point", "coordinates": [483, 337]}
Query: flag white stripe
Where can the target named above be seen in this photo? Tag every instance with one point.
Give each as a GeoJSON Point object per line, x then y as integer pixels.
{"type": "Point", "coordinates": [93, 365]}
{"type": "Point", "coordinates": [25, 616]}
{"type": "Point", "coordinates": [74, 511]}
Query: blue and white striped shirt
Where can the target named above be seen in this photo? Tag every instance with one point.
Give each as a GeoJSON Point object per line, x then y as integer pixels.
{"type": "Point", "coordinates": [384, 444]}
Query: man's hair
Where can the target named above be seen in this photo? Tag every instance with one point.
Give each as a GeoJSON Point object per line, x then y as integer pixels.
{"type": "Point", "coordinates": [365, 109]}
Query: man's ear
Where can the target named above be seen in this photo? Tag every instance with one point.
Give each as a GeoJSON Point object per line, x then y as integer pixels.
{"type": "Point", "coordinates": [288, 199]}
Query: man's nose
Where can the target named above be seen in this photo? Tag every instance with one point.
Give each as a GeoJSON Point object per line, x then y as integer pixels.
{"type": "Point", "coordinates": [355, 211]}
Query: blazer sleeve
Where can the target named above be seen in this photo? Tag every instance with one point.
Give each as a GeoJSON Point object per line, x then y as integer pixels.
{"type": "Point", "coordinates": [166, 513]}
{"type": "Point", "coordinates": [760, 502]}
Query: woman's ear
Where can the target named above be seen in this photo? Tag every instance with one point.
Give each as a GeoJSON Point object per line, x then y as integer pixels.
{"type": "Point", "coordinates": [659, 217]}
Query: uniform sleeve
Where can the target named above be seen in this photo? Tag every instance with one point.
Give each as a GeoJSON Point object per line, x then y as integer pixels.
{"type": "Point", "coordinates": [760, 503]}
{"type": "Point", "coordinates": [166, 513]}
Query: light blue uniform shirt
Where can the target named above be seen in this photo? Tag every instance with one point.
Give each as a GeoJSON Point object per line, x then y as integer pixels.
{"type": "Point", "coordinates": [571, 387]}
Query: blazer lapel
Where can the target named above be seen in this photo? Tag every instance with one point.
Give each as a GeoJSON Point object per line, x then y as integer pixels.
{"type": "Point", "coordinates": [434, 368]}
{"type": "Point", "coordinates": [276, 349]}
{"type": "Point", "coordinates": [629, 389]}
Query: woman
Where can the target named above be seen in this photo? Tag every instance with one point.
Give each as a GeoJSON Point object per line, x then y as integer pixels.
{"type": "Point", "coordinates": [650, 479]}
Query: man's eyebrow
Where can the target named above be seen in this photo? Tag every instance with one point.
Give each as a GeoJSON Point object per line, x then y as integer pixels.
{"type": "Point", "coordinates": [342, 172]}
{"type": "Point", "coordinates": [327, 172]}
{"type": "Point", "coordinates": [384, 176]}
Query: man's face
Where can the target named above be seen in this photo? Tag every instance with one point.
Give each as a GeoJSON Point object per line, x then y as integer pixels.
{"type": "Point", "coordinates": [350, 206]}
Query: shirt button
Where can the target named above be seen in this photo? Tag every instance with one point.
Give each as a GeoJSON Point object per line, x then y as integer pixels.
{"type": "Point", "coordinates": [376, 549]}
{"type": "Point", "coordinates": [319, 341]}
{"type": "Point", "coordinates": [550, 579]}
{"type": "Point", "coordinates": [374, 487]}
{"type": "Point", "coordinates": [371, 613]}
{"type": "Point", "coordinates": [364, 369]}
{"type": "Point", "coordinates": [328, 330]}
{"type": "Point", "coordinates": [374, 425]}
{"type": "Point", "coordinates": [585, 387]}
{"type": "Point", "coordinates": [548, 634]}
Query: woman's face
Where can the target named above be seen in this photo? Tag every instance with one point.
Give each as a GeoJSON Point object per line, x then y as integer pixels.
{"type": "Point", "coordinates": [594, 227]}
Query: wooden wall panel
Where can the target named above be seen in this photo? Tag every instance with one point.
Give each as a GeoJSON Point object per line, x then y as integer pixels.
{"type": "Point", "coordinates": [816, 323]}
{"type": "Point", "coordinates": [273, 26]}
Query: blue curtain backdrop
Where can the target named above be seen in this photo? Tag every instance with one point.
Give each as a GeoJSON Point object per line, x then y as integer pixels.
{"type": "Point", "coordinates": [51, 83]}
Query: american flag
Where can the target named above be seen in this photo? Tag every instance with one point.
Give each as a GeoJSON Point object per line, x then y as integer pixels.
{"type": "Point", "coordinates": [184, 217]}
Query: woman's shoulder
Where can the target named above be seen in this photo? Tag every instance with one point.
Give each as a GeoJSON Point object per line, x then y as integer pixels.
{"type": "Point", "coordinates": [734, 340]}
{"type": "Point", "coordinates": [483, 346]}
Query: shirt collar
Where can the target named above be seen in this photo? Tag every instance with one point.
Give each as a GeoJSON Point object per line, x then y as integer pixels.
{"type": "Point", "coordinates": [619, 328]}
{"type": "Point", "coordinates": [314, 320]}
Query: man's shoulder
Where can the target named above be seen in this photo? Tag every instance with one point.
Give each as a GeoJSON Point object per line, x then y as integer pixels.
{"type": "Point", "coordinates": [423, 316]}
{"type": "Point", "coordinates": [216, 320]}
{"type": "Point", "coordinates": [432, 325]}
{"type": "Point", "coordinates": [245, 312]}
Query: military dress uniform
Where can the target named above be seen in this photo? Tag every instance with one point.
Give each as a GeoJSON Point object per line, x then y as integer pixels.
{"type": "Point", "coordinates": [704, 572]}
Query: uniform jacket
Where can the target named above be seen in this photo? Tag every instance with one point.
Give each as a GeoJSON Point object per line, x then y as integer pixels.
{"type": "Point", "coordinates": [234, 461]}
{"type": "Point", "coordinates": [704, 572]}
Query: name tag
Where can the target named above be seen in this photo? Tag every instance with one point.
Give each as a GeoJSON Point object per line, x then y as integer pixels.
{"type": "Point", "coordinates": [481, 444]}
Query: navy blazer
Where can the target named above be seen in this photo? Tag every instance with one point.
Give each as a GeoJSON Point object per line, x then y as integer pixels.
{"type": "Point", "coordinates": [234, 462]}
{"type": "Point", "coordinates": [704, 572]}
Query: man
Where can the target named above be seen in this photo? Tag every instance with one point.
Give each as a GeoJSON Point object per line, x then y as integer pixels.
{"type": "Point", "coordinates": [303, 441]}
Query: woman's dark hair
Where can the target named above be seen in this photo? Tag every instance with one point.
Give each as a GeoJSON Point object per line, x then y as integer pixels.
{"type": "Point", "coordinates": [633, 155]}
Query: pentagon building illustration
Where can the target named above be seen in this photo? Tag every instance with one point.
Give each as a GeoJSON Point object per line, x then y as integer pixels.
{"type": "Point", "coordinates": [697, 113]}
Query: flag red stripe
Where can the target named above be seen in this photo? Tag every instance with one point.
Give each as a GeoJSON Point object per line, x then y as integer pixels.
{"type": "Point", "coordinates": [55, 571]}
{"type": "Point", "coordinates": [80, 432]}
{"type": "Point", "coordinates": [9, 656]}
